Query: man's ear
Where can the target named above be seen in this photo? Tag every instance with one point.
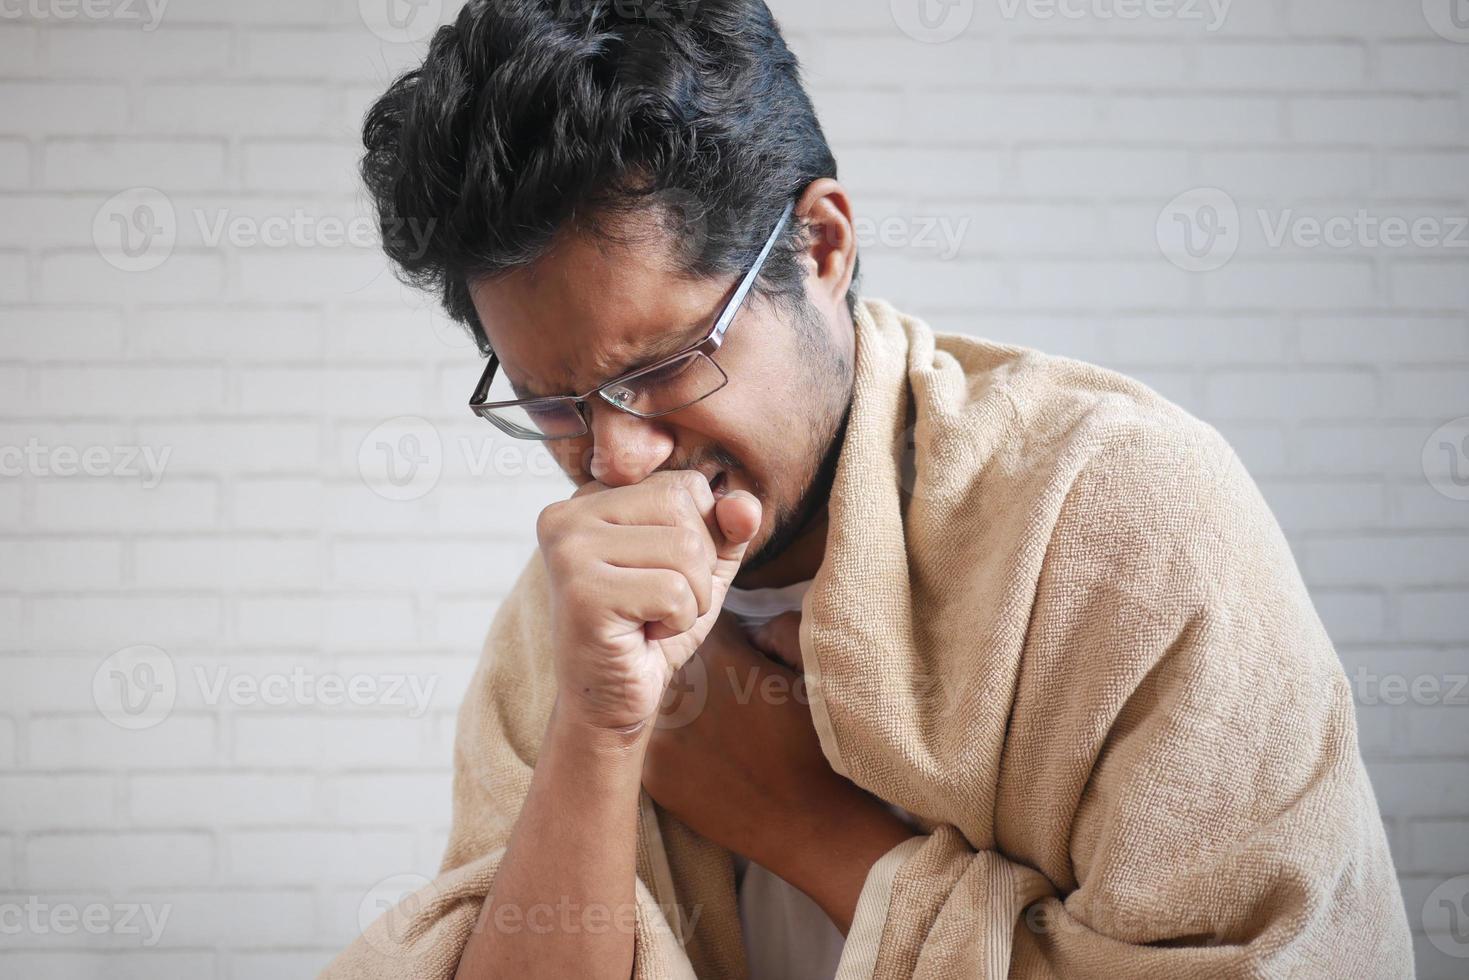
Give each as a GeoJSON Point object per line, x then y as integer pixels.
{"type": "Point", "coordinates": [831, 254]}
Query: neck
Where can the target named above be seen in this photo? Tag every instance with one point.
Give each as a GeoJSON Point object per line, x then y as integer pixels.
{"type": "Point", "coordinates": [796, 563]}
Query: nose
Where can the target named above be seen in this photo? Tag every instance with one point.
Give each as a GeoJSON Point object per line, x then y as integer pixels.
{"type": "Point", "coordinates": [625, 448]}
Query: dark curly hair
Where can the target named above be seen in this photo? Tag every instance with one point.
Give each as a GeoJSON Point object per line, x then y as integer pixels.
{"type": "Point", "coordinates": [529, 114]}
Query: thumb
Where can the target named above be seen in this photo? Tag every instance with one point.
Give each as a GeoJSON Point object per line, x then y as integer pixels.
{"type": "Point", "coordinates": [738, 515]}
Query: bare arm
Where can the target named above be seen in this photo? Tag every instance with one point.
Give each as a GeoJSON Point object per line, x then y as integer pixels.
{"type": "Point", "coordinates": [637, 576]}
{"type": "Point", "coordinates": [563, 898]}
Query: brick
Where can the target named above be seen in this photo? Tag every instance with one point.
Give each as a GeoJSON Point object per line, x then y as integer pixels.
{"type": "Point", "coordinates": [41, 565]}
{"type": "Point", "coordinates": [118, 861]}
{"type": "Point", "coordinates": [111, 165]}
{"type": "Point", "coordinates": [1288, 175]}
{"type": "Point", "coordinates": [1100, 171]}
{"type": "Point", "coordinates": [62, 107]}
{"type": "Point", "coordinates": [130, 53]}
{"type": "Point", "coordinates": [300, 166]}
{"type": "Point", "coordinates": [1415, 173]}
{"type": "Point", "coordinates": [15, 164]}
{"type": "Point", "coordinates": [1314, 66]}
{"type": "Point", "coordinates": [233, 108]}
{"type": "Point", "coordinates": [316, 857]}
{"type": "Point", "coordinates": [1436, 616]}
{"type": "Point", "coordinates": [1294, 284]}
{"type": "Point", "coordinates": [1374, 119]}
{"type": "Point", "coordinates": [53, 802]}
{"type": "Point", "coordinates": [230, 563]}
{"type": "Point", "coordinates": [1396, 339]}
{"type": "Point", "coordinates": [111, 622]}
{"type": "Point", "coordinates": [1176, 118]}
{"type": "Point", "coordinates": [138, 964]}
{"type": "Point", "coordinates": [221, 800]}
{"type": "Point", "coordinates": [961, 117]}
{"type": "Point", "coordinates": [58, 333]}
{"type": "Point", "coordinates": [1400, 560]}
{"type": "Point", "coordinates": [1430, 285]}
{"type": "Point", "coordinates": [1091, 61]}
{"type": "Point", "coordinates": [78, 504]}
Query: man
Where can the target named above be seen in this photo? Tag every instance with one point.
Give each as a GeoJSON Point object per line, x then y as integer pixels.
{"type": "Point", "coordinates": [971, 662]}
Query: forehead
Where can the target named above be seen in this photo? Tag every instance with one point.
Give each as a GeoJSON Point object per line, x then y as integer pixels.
{"type": "Point", "coordinates": [591, 308]}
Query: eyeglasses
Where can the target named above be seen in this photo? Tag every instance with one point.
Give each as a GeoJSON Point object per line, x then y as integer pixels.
{"type": "Point", "coordinates": [666, 386]}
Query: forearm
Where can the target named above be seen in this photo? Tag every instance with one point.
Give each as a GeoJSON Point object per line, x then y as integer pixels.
{"type": "Point", "coordinates": [563, 898]}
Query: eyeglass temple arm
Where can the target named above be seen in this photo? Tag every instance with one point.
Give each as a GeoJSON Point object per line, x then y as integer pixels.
{"type": "Point", "coordinates": [738, 299]}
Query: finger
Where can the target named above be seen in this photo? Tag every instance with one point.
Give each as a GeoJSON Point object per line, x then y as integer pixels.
{"type": "Point", "coordinates": [659, 598]}
{"type": "Point", "coordinates": [688, 551]}
{"type": "Point", "coordinates": [670, 497]}
{"type": "Point", "coordinates": [738, 514]}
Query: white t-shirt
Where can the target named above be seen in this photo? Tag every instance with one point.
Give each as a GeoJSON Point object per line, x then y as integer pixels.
{"type": "Point", "coordinates": [787, 936]}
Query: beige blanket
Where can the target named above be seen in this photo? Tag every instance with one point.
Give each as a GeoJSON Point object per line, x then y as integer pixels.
{"type": "Point", "coordinates": [1057, 623]}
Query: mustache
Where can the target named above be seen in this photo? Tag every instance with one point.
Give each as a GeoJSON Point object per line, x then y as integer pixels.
{"type": "Point", "coordinates": [719, 456]}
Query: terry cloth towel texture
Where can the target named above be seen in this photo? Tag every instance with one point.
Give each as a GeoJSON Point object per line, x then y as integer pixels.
{"type": "Point", "coordinates": [1057, 623]}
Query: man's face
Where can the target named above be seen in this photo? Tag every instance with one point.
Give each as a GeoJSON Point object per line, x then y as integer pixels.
{"type": "Point", "coordinates": [592, 309]}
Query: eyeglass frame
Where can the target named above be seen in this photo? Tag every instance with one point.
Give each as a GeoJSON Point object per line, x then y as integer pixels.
{"type": "Point", "coordinates": [711, 343]}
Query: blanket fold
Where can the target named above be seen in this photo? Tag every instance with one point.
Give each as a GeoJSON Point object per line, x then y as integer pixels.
{"type": "Point", "coordinates": [1057, 623]}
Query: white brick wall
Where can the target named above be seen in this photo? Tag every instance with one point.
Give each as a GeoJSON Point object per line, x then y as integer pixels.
{"type": "Point", "coordinates": [1048, 147]}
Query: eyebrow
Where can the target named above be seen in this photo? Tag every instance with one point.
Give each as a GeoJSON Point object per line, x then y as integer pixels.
{"type": "Point", "coordinates": [649, 352]}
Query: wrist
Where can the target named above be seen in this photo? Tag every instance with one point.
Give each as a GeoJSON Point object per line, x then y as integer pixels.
{"type": "Point", "coordinates": [570, 728]}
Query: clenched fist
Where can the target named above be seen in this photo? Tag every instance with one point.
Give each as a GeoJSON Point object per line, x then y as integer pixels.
{"type": "Point", "coordinates": [638, 575]}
